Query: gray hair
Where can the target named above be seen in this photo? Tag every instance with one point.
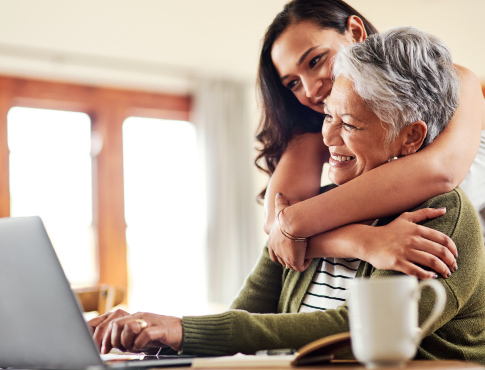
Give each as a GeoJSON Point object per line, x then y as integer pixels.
{"type": "Point", "coordinates": [403, 75]}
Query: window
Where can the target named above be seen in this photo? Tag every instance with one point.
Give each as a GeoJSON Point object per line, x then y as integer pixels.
{"type": "Point", "coordinates": [50, 176]}
{"type": "Point", "coordinates": [161, 176]}
{"type": "Point", "coordinates": [46, 130]}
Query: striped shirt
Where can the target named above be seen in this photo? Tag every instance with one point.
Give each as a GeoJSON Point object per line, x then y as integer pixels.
{"type": "Point", "coordinates": [328, 289]}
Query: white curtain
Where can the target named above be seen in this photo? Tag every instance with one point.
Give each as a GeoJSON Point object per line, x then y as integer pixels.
{"type": "Point", "coordinates": [225, 141]}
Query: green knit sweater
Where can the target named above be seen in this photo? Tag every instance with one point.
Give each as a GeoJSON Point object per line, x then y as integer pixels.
{"type": "Point", "coordinates": [265, 313]}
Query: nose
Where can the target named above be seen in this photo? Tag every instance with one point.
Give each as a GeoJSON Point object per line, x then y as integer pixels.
{"type": "Point", "coordinates": [331, 134]}
{"type": "Point", "coordinates": [312, 86]}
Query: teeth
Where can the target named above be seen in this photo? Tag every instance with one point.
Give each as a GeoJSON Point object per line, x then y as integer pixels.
{"type": "Point", "coordinates": [340, 158]}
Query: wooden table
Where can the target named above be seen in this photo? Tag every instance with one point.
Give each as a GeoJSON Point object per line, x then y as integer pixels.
{"type": "Point", "coordinates": [354, 365]}
{"type": "Point", "coordinates": [415, 365]}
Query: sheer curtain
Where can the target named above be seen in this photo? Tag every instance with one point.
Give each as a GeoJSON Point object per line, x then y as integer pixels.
{"type": "Point", "coordinates": [225, 141]}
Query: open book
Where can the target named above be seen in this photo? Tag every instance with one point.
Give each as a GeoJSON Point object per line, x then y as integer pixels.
{"type": "Point", "coordinates": [318, 351]}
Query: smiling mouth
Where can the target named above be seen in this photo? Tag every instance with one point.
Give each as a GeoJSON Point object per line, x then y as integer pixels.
{"type": "Point", "coordinates": [341, 158]}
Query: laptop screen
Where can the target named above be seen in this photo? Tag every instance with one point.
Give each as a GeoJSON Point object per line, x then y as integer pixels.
{"type": "Point", "coordinates": [41, 323]}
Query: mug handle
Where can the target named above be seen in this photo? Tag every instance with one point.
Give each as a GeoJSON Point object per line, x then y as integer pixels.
{"type": "Point", "coordinates": [438, 308]}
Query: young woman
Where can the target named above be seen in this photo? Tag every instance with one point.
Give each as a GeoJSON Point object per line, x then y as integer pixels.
{"type": "Point", "coordinates": [295, 77]}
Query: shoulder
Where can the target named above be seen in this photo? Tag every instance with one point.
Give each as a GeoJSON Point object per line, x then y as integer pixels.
{"type": "Point", "coordinates": [468, 78]}
{"type": "Point", "coordinates": [460, 221]}
{"type": "Point", "coordinates": [455, 199]}
{"type": "Point", "coordinates": [465, 72]}
{"type": "Point", "coordinates": [307, 143]}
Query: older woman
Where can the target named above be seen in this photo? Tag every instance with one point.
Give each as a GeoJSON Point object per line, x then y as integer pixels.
{"type": "Point", "coordinates": [390, 97]}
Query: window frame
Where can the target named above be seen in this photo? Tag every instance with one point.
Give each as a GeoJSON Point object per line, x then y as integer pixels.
{"type": "Point", "coordinates": [108, 108]}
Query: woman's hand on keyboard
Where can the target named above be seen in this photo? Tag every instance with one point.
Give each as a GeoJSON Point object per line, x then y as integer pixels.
{"type": "Point", "coordinates": [137, 332]}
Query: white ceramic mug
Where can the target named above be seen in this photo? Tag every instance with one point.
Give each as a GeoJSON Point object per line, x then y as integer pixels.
{"type": "Point", "coordinates": [383, 318]}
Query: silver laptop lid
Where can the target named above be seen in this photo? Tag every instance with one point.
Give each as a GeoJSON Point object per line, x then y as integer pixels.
{"type": "Point", "coordinates": [41, 324]}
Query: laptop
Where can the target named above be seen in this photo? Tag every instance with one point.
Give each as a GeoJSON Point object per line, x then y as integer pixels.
{"type": "Point", "coordinates": [41, 322]}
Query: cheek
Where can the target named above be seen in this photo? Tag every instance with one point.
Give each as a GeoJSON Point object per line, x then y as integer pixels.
{"type": "Point", "coordinates": [372, 157]}
{"type": "Point", "coordinates": [329, 64]}
{"type": "Point", "coordinates": [302, 98]}
{"type": "Point", "coordinates": [365, 154]}
{"type": "Point", "coordinates": [326, 72]}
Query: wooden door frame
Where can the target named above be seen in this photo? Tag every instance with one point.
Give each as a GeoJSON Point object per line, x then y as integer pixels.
{"type": "Point", "coordinates": [108, 108]}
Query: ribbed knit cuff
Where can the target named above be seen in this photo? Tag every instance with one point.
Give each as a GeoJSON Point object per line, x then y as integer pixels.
{"type": "Point", "coordinates": [210, 335]}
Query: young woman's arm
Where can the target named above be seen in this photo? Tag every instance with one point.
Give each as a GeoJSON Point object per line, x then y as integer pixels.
{"type": "Point", "coordinates": [298, 174]}
{"type": "Point", "coordinates": [403, 184]}
{"type": "Point", "coordinates": [402, 245]}
{"type": "Point", "coordinates": [395, 246]}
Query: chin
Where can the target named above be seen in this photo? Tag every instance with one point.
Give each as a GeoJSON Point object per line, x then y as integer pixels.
{"type": "Point", "coordinates": [317, 108]}
{"type": "Point", "coordinates": [338, 180]}
{"type": "Point", "coordinates": [335, 181]}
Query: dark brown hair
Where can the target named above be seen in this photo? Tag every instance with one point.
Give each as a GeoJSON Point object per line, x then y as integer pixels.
{"type": "Point", "coordinates": [283, 116]}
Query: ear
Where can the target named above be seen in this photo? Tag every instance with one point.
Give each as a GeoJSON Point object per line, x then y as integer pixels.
{"type": "Point", "coordinates": [356, 28]}
{"type": "Point", "coordinates": [413, 137]}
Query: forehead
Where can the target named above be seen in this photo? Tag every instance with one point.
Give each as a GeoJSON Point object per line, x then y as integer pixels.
{"type": "Point", "coordinates": [344, 100]}
{"type": "Point", "coordinates": [343, 96]}
{"type": "Point", "coordinates": [298, 37]}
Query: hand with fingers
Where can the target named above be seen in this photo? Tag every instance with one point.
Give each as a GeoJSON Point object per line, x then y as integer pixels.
{"type": "Point", "coordinates": [137, 332]}
{"type": "Point", "coordinates": [100, 324]}
{"type": "Point", "coordinates": [283, 247]}
{"type": "Point", "coordinates": [413, 249]}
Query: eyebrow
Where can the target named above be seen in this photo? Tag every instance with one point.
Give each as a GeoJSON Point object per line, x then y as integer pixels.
{"type": "Point", "coordinates": [302, 58]}
{"type": "Point", "coordinates": [352, 116]}
{"type": "Point", "coordinates": [305, 54]}
{"type": "Point", "coordinates": [344, 114]}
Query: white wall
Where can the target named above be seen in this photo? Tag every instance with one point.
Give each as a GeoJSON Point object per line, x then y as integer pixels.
{"type": "Point", "coordinates": [148, 43]}
{"type": "Point", "coordinates": [163, 44]}
{"type": "Point", "coordinates": [458, 23]}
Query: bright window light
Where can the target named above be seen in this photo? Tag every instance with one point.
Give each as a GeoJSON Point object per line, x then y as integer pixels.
{"type": "Point", "coordinates": [50, 176]}
{"type": "Point", "coordinates": [164, 210]}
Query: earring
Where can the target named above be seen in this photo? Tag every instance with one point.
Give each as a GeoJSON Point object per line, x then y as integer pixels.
{"type": "Point", "coordinates": [392, 159]}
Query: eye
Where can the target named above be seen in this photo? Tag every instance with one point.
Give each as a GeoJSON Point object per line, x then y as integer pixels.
{"type": "Point", "coordinates": [327, 118]}
{"type": "Point", "coordinates": [349, 127]}
{"type": "Point", "coordinates": [292, 84]}
{"type": "Point", "coordinates": [313, 62]}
